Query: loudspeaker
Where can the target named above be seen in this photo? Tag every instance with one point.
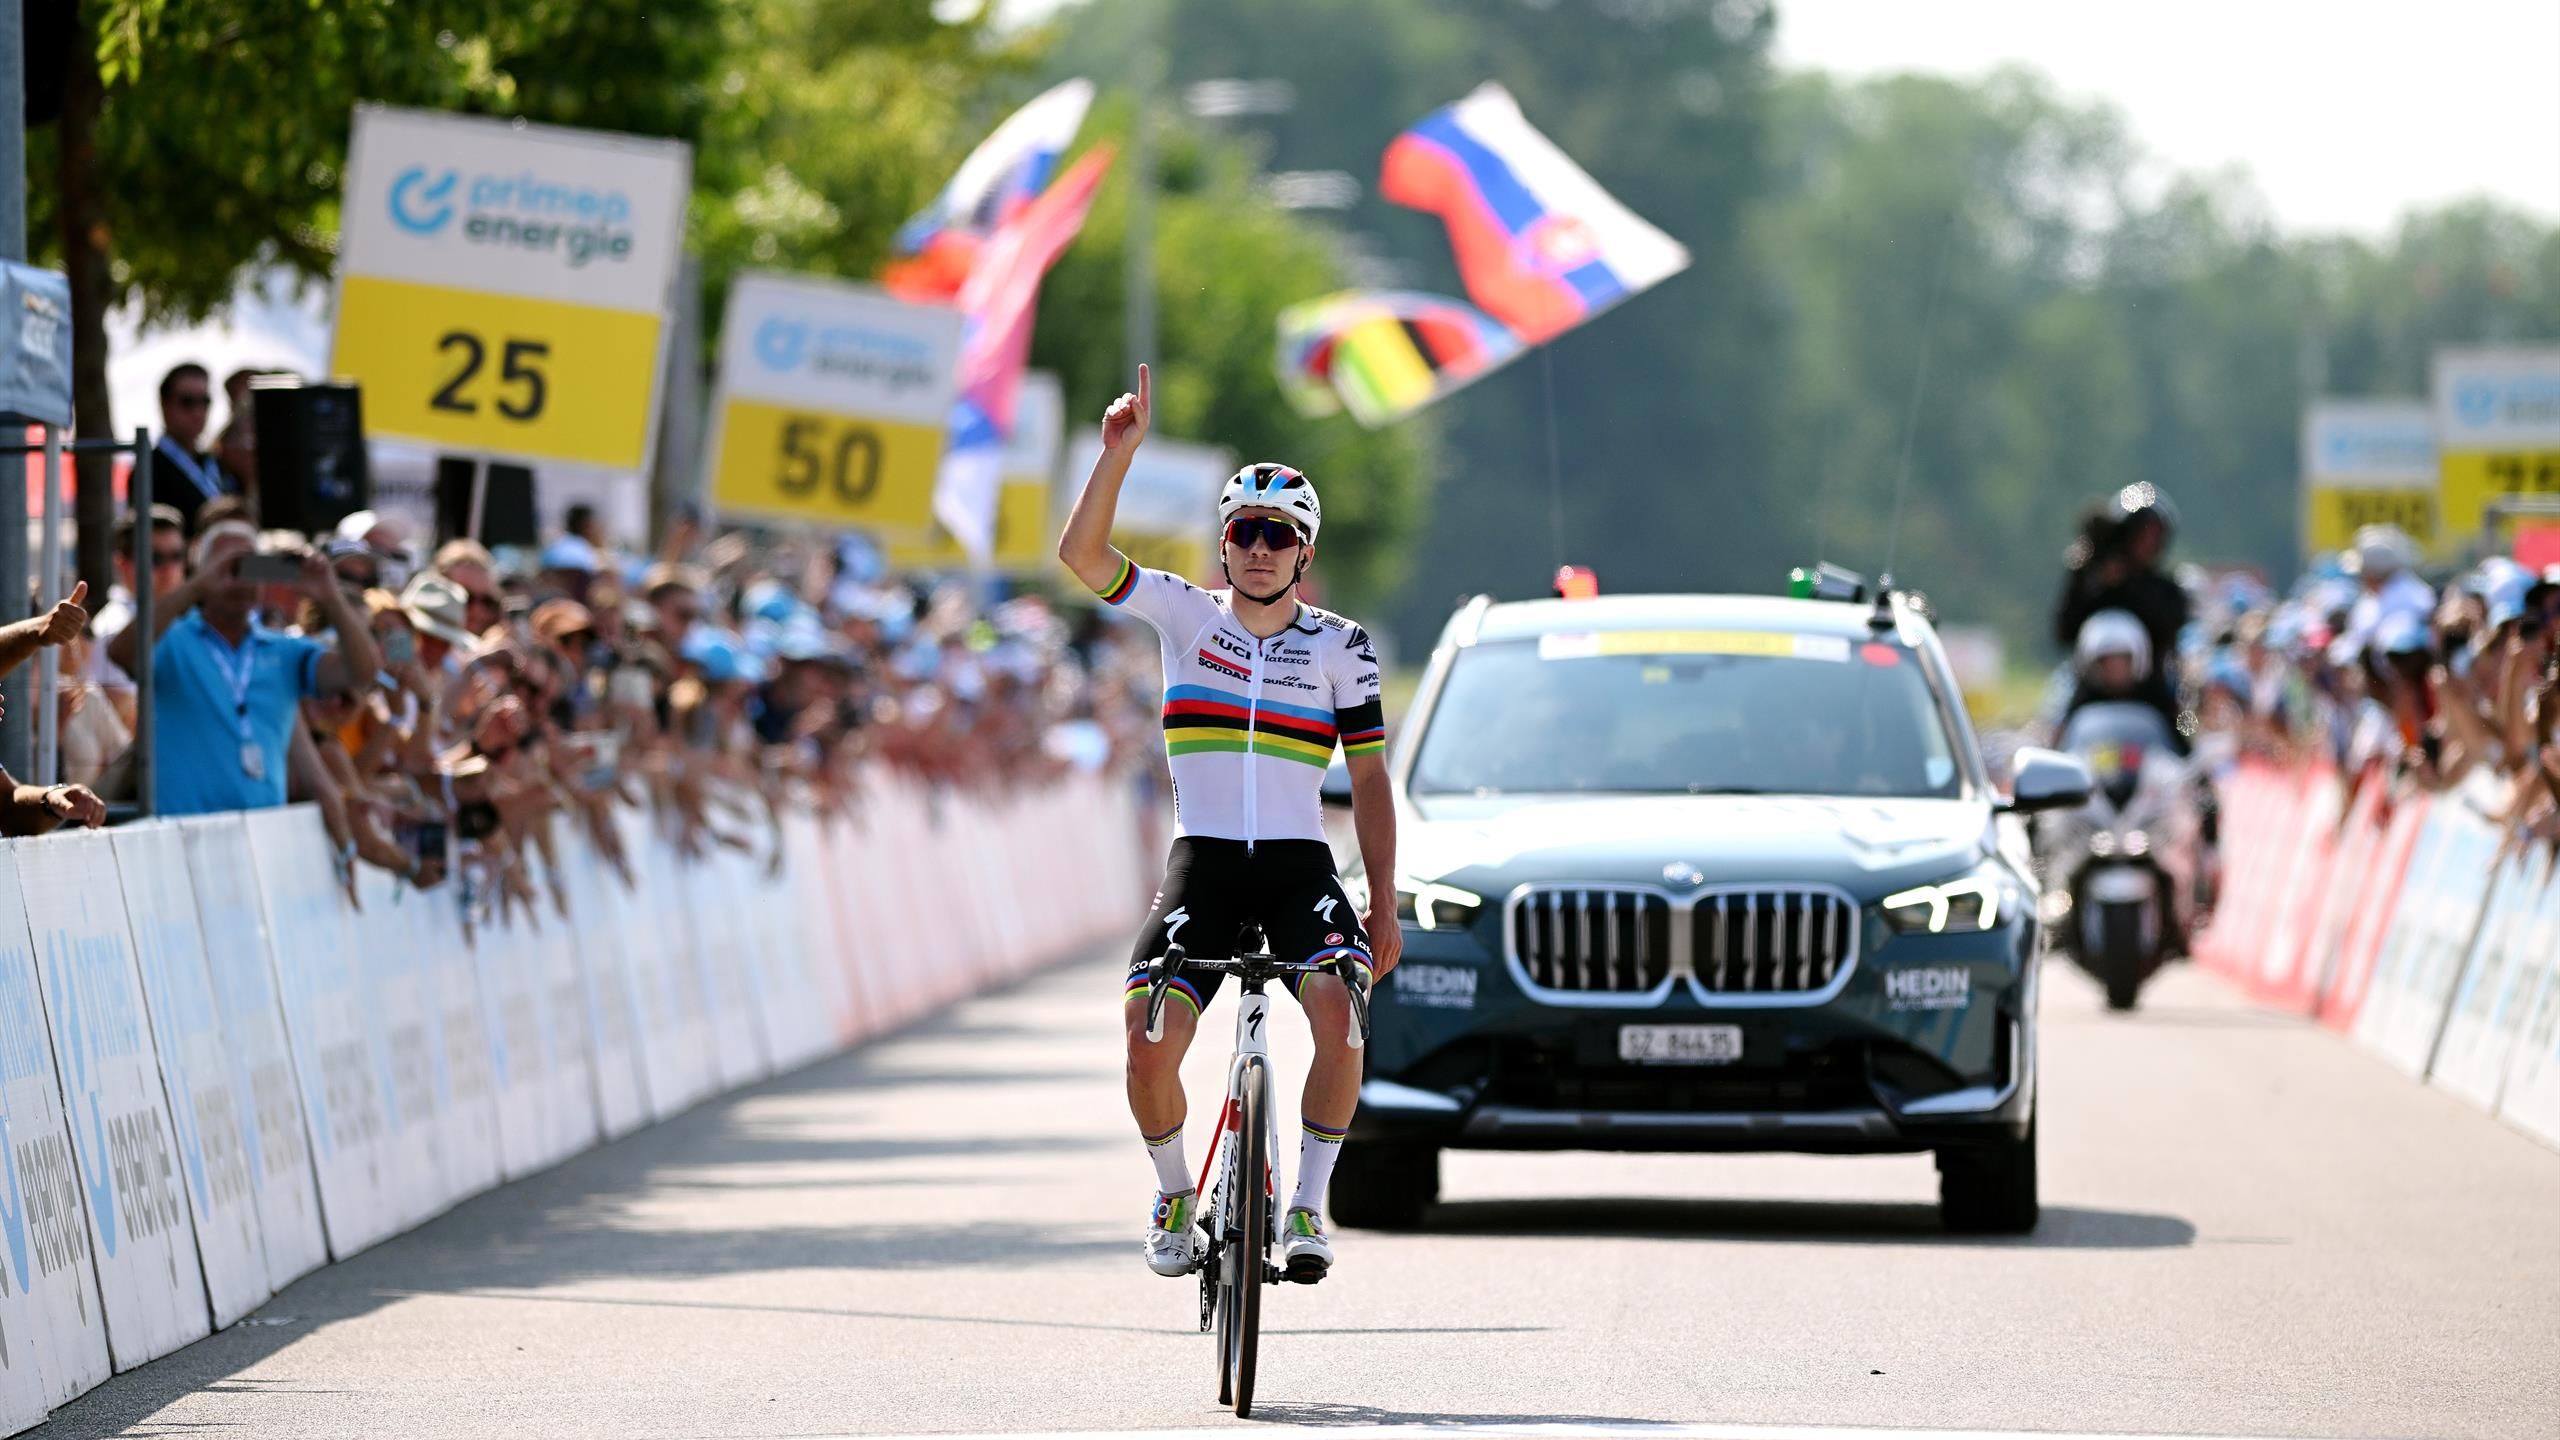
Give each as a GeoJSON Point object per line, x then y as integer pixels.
{"type": "Point", "coordinates": [311, 460]}
{"type": "Point", "coordinates": [506, 513]}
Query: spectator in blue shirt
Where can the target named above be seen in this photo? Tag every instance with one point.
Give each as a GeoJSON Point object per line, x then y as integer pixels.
{"type": "Point", "coordinates": [227, 691]}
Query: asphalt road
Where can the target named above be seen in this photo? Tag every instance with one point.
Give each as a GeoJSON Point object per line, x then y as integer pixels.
{"type": "Point", "coordinates": [2250, 1229]}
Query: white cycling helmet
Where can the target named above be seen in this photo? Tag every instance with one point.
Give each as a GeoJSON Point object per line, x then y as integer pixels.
{"type": "Point", "coordinates": [2112, 632]}
{"type": "Point", "coordinates": [1272, 487]}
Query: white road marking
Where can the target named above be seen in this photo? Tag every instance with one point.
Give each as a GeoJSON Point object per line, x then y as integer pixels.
{"type": "Point", "coordinates": [1626, 1431]}
{"type": "Point", "coordinates": [1630, 1430]}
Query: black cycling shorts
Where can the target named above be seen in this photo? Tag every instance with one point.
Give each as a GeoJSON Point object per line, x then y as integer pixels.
{"type": "Point", "coordinates": [1214, 888]}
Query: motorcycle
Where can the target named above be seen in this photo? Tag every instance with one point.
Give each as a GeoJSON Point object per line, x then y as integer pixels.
{"type": "Point", "coordinates": [2128, 859]}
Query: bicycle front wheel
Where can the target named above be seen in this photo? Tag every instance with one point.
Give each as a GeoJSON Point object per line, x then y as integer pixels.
{"type": "Point", "coordinates": [1249, 1191]}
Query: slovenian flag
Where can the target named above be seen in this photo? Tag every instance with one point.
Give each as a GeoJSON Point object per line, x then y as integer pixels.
{"type": "Point", "coordinates": [995, 184]}
{"type": "Point", "coordinates": [1541, 246]}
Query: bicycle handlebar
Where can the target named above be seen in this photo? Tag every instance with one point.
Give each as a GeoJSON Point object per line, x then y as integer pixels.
{"type": "Point", "coordinates": [1162, 970]}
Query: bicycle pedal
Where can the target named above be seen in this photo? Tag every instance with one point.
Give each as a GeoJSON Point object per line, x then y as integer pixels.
{"type": "Point", "coordinates": [1305, 1271]}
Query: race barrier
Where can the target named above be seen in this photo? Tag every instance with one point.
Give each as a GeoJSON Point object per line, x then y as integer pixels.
{"type": "Point", "coordinates": [217, 1073]}
{"type": "Point", "coordinates": [2413, 922]}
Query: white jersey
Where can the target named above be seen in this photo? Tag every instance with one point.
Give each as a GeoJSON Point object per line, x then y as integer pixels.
{"type": "Point", "coordinates": [1250, 724]}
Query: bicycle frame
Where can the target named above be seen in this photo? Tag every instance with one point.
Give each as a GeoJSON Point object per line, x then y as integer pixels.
{"type": "Point", "coordinates": [1252, 1058]}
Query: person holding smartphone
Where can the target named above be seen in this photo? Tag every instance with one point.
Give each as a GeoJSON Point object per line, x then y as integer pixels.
{"type": "Point", "coordinates": [226, 689]}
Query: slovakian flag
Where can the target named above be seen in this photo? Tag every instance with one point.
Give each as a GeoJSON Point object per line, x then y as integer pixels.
{"type": "Point", "coordinates": [997, 304]}
{"type": "Point", "coordinates": [938, 248]}
{"type": "Point", "coordinates": [1541, 246]}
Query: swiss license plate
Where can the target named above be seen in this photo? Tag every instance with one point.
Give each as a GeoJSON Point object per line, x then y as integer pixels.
{"type": "Point", "coordinates": [1680, 1044]}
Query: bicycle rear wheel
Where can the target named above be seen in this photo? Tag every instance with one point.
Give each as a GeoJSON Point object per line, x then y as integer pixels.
{"type": "Point", "coordinates": [1249, 1203]}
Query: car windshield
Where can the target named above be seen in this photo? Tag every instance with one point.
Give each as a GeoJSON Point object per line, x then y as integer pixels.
{"type": "Point", "coordinates": [1687, 712]}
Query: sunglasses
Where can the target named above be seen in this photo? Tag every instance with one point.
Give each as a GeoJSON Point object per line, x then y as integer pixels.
{"type": "Point", "coordinates": [168, 557]}
{"type": "Point", "coordinates": [190, 402]}
{"type": "Point", "coordinates": [1245, 530]}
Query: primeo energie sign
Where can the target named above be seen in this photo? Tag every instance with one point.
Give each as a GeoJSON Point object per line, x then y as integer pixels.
{"type": "Point", "coordinates": [503, 287]}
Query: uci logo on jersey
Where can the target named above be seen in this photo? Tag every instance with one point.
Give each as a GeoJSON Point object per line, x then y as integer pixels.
{"type": "Point", "coordinates": [1230, 644]}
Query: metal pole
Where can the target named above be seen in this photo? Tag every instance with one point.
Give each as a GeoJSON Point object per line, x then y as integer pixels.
{"type": "Point", "coordinates": [1139, 319]}
{"type": "Point", "coordinates": [17, 729]}
{"type": "Point", "coordinates": [146, 729]}
{"type": "Point", "coordinates": [48, 757]}
{"type": "Point", "coordinates": [479, 496]}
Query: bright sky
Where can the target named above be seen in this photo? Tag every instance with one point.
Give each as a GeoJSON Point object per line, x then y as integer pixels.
{"type": "Point", "coordinates": [2345, 113]}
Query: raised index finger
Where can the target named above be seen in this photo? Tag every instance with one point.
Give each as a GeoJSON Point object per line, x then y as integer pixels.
{"type": "Point", "coordinates": [79, 592]}
{"type": "Point", "coordinates": [1144, 388]}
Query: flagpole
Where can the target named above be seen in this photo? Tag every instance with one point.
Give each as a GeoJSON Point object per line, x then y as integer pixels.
{"type": "Point", "coordinates": [1139, 319]}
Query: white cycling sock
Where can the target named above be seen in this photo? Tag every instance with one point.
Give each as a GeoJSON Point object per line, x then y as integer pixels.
{"type": "Point", "coordinates": [1318, 1147]}
{"type": "Point", "coordinates": [1173, 1172]}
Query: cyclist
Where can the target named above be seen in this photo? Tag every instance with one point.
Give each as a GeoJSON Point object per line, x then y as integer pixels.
{"type": "Point", "coordinates": [1258, 689]}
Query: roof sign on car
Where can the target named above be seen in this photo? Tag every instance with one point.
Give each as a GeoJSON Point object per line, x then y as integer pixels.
{"type": "Point", "coordinates": [1778, 644]}
{"type": "Point", "coordinates": [1576, 582]}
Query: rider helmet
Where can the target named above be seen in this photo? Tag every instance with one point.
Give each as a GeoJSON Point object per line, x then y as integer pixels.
{"type": "Point", "coordinates": [2143, 498]}
{"type": "Point", "coordinates": [1273, 487]}
{"type": "Point", "coordinates": [2112, 632]}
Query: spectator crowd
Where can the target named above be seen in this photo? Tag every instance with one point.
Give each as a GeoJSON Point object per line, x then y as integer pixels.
{"type": "Point", "coordinates": [448, 706]}
{"type": "Point", "coordinates": [2373, 661]}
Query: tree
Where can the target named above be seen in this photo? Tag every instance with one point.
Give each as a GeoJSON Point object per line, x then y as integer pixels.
{"type": "Point", "coordinates": [196, 139]}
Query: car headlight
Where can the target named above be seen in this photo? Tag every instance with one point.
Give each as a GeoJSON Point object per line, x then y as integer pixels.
{"type": "Point", "coordinates": [1972, 903]}
{"type": "Point", "coordinates": [1432, 906]}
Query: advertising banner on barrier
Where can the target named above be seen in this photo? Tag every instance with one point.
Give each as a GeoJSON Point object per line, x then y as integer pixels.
{"type": "Point", "coordinates": [2487, 1010]}
{"type": "Point", "coordinates": [466, 1095]}
{"type": "Point", "coordinates": [2377, 904]}
{"type": "Point", "coordinates": [512, 987]}
{"type": "Point", "coordinates": [49, 1306]}
{"type": "Point", "coordinates": [2530, 1100]}
{"type": "Point", "coordinates": [207, 1110]}
{"type": "Point", "coordinates": [675, 1033]}
{"type": "Point", "coordinates": [597, 900]}
{"type": "Point", "coordinates": [406, 1037]}
{"type": "Point", "coordinates": [326, 1026]}
{"type": "Point", "coordinates": [233, 928]}
{"type": "Point", "coordinates": [574, 1124]}
{"type": "Point", "coordinates": [726, 975]}
{"type": "Point", "coordinates": [140, 1233]}
{"type": "Point", "coordinates": [2450, 880]}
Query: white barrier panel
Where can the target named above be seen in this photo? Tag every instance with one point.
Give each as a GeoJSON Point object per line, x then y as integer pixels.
{"type": "Point", "coordinates": [511, 985]}
{"type": "Point", "coordinates": [206, 1108]}
{"type": "Point", "coordinates": [139, 1230]}
{"type": "Point", "coordinates": [326, 1026]}
{"type": "Point", "coordinates": [724, 973]}
{"type": "Point", "coordinates": [405, 1032]}
{"type": "Point", "coordinates": [794, 1004]}
{"type": "Point", "coordinates": [233, 934]}
{"type": "Point", "coordinates": [603, 945]}
{"type": "Point", "coordinates": [57, 1337]}
{"type": "Point", "coordinates": [567, 1048]}
{"type": "Point", "coordinates": [2413, 984]}
{"type": "Point", "coordinates": [676, 1033]}
{"type": "Point", "coordinates": [2487, 1010]}
{"type": "Point", "coordinates": [466, 1086]}
{"type": "Point", "coordinates": [2531, 1101]}
{"type": "Point", "coordinates": [814, 881]}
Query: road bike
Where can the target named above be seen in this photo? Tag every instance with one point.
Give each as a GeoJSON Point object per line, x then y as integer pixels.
{"type": "Point", "coordinates": [1237, 1215]}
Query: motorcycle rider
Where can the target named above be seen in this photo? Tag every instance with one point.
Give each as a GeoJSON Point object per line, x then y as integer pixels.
{"type": "Point", "coordinates": [2117, 564]}
{"type": "Point", "coordinates": [2113, 657]}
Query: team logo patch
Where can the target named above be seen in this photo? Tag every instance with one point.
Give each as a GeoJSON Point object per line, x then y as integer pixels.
{"type": "Point", "coordinates": [1225, 666]}
{"type": "Point", "coordinates": [1333, 939]}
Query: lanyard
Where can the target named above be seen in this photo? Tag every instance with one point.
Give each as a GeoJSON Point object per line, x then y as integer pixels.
{"type": "Point", "coordinates": [206, 473]}
{"type": "Point", "coordinates": [239, 679]}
